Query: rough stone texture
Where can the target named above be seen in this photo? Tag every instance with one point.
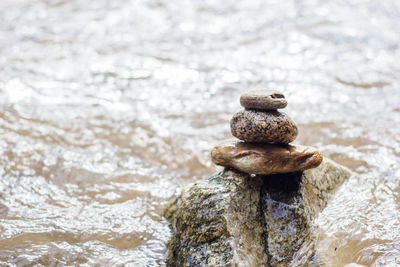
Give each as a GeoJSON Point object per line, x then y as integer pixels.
{"type": "Point", "coordinates": [263, 126]}
{"type": "Point", "coordinates": [263, 99]}
{"type": "Point", "coordinates": [235, 219]}
{"type": "Point", "coordinates": [290, 207]}
{"type": "Point", "coordinates": [265, 158]}
{"type": "Point", "coordinates": [216, 222]}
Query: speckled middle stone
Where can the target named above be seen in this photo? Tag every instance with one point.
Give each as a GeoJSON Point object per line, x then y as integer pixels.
{"type": "Point", "coordinates": [265, 159]}
{"type": "Point", "coordinates": [263, 99]}
{"type": "Point", "coordinates": [263, 126]}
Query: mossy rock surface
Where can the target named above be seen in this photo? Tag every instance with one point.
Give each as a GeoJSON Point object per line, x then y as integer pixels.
{"type": "Point", "coordinates": [235, 219]}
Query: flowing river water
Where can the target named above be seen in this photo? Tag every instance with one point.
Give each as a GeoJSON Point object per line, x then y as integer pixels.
{"type": "Point", "coordinates": [108, 108]}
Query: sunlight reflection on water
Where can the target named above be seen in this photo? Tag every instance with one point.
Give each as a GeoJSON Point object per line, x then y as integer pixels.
{"type": "Point", "coordinates": [109, 107]}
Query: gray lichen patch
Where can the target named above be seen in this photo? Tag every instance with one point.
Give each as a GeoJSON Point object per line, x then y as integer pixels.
{"type": "Point", "coordinates": [216, 222]}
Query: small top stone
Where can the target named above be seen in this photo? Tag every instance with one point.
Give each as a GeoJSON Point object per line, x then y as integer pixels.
{"type": "Point", "coordinates": [263, 99]}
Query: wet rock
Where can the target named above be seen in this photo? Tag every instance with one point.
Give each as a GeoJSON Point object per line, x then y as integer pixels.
{"type": "Point", "coordinates": [263, 99]}
{"type": "Point", "coordinates": [263, 126]}
{"type": "Point", "coordinates": [217, 222]}
{"type": "Point", "coordinates": [260, 158]}
{"type": "Point", "coordinates": [235, 219]}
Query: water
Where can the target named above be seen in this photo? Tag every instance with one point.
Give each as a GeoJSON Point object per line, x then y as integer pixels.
{"type": "Point", "coordinates": [108, 108]}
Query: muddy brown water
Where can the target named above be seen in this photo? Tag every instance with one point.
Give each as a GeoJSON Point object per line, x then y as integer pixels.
{"type": "Point", "coordinates": [108, 108]}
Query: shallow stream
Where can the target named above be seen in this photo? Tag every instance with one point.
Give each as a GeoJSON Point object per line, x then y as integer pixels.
{"type": "Point", "coordinates": [108, 108]}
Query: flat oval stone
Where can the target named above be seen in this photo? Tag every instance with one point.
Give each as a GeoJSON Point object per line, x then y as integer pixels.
{"type": "Point", "coordinates": [265, 159]}
{"type": "Point", "coordinates": [263, 126]}
{"type": "Point", "coordinates": [263, 99]}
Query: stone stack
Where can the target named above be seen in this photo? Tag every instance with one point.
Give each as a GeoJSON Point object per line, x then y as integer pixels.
{"type": "Point", "coordinates": [235, 218]}
{"type": "Point", "coordinates": [265, 134]}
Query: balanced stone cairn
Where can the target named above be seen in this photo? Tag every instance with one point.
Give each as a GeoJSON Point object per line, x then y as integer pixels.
{"type": "Point", "coordinates": [265, 134]}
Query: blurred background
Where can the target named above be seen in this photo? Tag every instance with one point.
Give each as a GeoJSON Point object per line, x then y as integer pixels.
{"type": "Point", "coordinates": [108, 108]}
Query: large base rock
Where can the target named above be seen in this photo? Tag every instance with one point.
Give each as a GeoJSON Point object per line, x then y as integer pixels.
{"type": "Point", "coordinates": [235, 219]}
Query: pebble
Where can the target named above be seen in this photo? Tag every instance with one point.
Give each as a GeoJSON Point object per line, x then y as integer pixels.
{"type": "Point", "coordinates": [265, 159]}
{"type": "Point", "coordinates": [263, 99]}
{"type": "Point", "coordinates": [263, 126]}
